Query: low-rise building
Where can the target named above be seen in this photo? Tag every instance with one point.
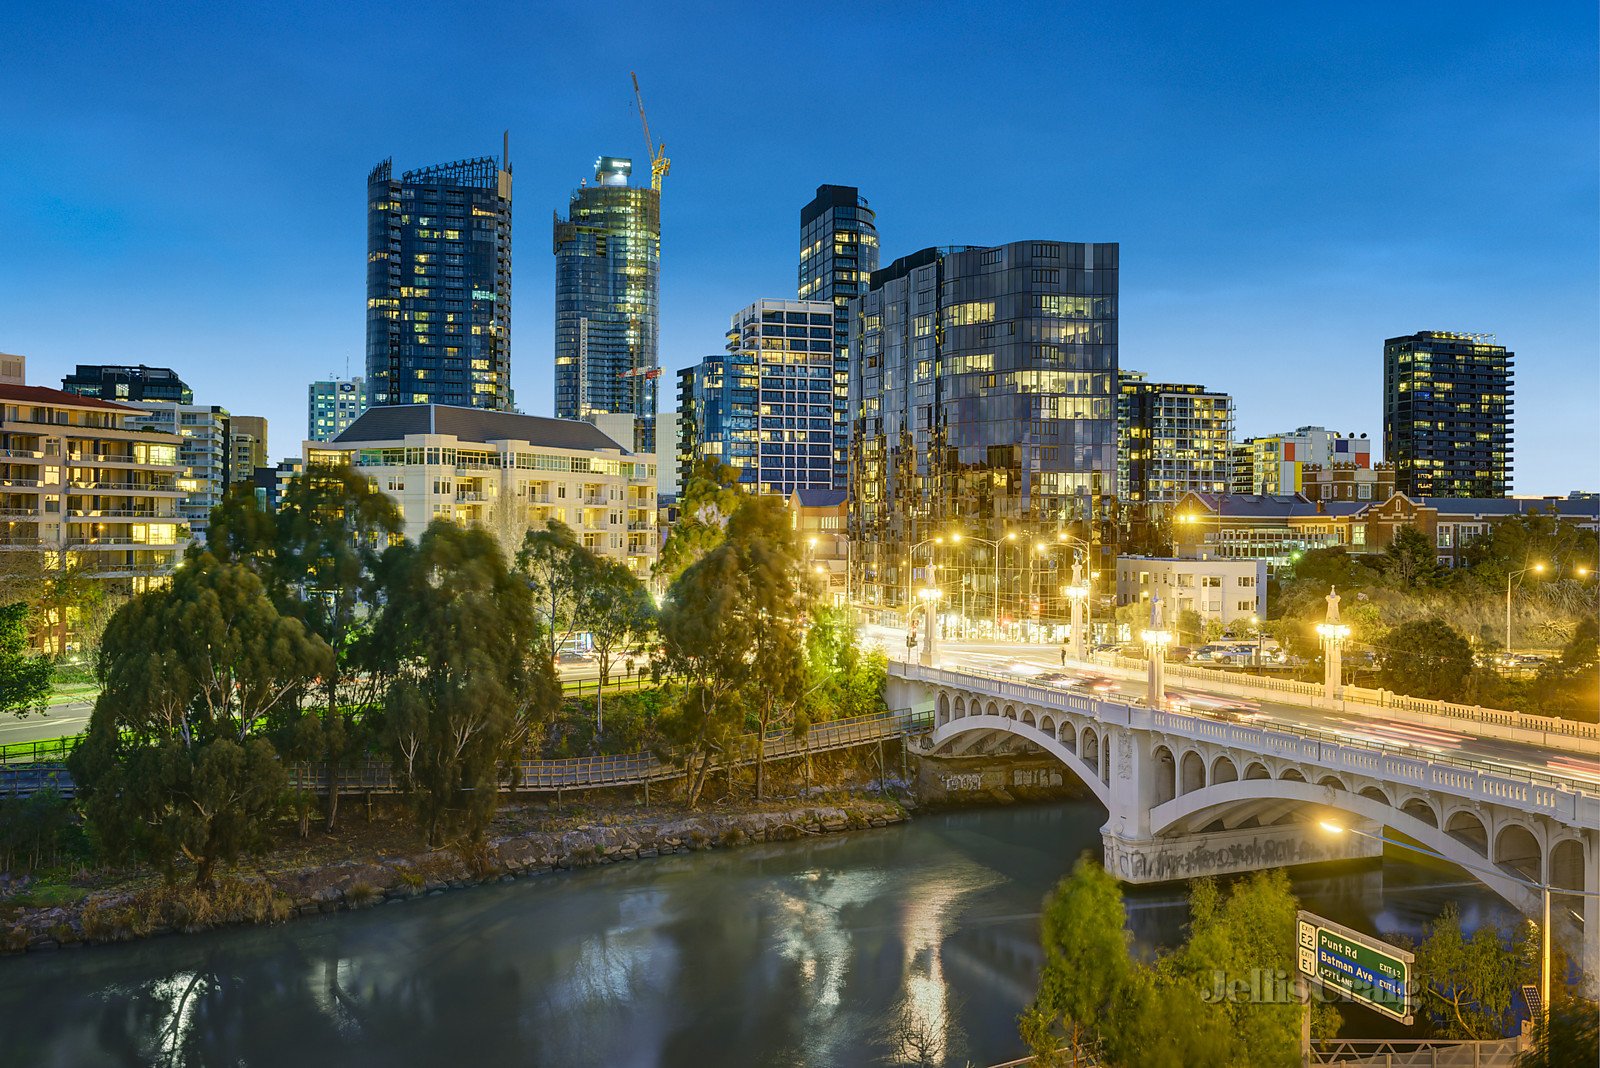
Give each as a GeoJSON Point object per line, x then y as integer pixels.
{"type": "Point", "coordinates": [86, 490]}
{"type": "Point", "coordinates": [1344, 481]}
{"type": "Point", "coordinates": [820, 523]}
{"type": "Point", "coordinates": [1228, 591]}
{"type": "Point", "coordinates": [1275, 463]}
{"type": "Point", "coordinates": [505, 472]}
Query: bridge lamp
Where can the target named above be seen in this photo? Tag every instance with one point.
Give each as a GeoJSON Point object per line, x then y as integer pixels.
{"type": "Point", "coordinates": [1332, 632]}
{"type": "Point", "coordinates": [956, 537]}
{"type": "Point", "coordinates": [1076, 593]}
{"type": "Point", "coordinates": [1158, 638]}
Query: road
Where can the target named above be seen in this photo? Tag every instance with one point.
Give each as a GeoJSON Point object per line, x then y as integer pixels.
{"type": "Point", "coordinates": [1443, 740]}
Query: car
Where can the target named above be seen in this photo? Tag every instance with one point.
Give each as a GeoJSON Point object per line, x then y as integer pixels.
{"type": "Point", "coordinates": [572, 656]}
{"type": "Point", "coordinates": [1217, 706]}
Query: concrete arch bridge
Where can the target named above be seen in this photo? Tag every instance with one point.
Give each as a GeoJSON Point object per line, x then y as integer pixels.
{"type": "Point", "coordinates": [1193, 795]}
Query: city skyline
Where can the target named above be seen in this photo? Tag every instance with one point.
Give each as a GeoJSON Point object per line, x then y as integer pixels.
{"type": "Point", "coordinates": [1354, 194]}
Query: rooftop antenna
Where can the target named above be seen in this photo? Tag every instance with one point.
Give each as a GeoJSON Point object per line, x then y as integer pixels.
{"type": "Point", "coordinates": [505, 149]}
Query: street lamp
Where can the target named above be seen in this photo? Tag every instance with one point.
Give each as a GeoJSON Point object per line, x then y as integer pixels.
{"type": "Point", "coordinates": [930, 597]}
{"type": "Point", "coordinates": [957, 538]}
{"type": "Point", "coordinates": [1077, 595]}
{"type": "Point", "coordinates": [1545, 890]}
{"type": "Point", "coordinates": [1333, 635]}
{"type": "Point", "coordinates": [1156, 638]}
{"type": "Point", "coordinates": [1255, 621]}
{"type": "Point", "coordinates": [1537, 569]}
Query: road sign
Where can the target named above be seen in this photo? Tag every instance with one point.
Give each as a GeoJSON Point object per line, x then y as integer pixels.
{"type": "Point", "coordinates": [1364, 969]}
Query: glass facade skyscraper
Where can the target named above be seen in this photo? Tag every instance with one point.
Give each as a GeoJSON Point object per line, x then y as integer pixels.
{"type": "Point", "coordinates": [983, 386]}
{"type": "Point", "coordinates": [766, 405]}
{"type": "Point", "coordinates": [838, 253]}
{"type": "Point", "coordinates": [608, 266]}
{"type": "Point", "coordinates": [439, 285]}
{"type": "Point", "coordinates": [332, 405]}
{"type": "Point", "coordinates": [1447, 414]}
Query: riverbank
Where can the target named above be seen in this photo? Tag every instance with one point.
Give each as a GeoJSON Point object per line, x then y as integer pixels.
{"type": "Point", "coordinates": [376, 867]}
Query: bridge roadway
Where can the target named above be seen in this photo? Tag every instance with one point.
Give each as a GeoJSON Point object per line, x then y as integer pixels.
{"type": "Point", "coordinates": [1190, 794]}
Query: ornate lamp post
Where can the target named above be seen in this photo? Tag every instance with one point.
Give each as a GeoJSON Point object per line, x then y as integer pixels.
{"type": "Point", "coordinates": [1333, 635]}
{"type": "Point", "coordinates": [1156, 639]}
{"type": "Point", "coordinates": [930, 597]}
{"type": "Point", "coordinates": [1078, 596]}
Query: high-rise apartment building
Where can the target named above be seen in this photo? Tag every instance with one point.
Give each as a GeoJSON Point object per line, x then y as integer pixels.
{"type": "Point", "coordinates": [439, 284]}
{"type": "Point", "coordinates": [202, 431]}
{"type": "Point", "coordinates": [247, 446]}
{"type": "Point", "coordinates": [86, 489]}
{"type": "Point", "coordinates": [838, 253]}
{"type": "Point", "coordinates": [1172, 438]}
{"type": "Point", "coordinates": [505, 472]}
{"type": "Point", "coordinates": [766, 404]}
{"type": "Point", "coordinates": [332, 405]}
{"type": "Point", "coordinates": [116, 383]}
{"type": "Point", "coordinates": [608, 266]}
{"type": "Point", "coordinates": [1275, 463]}
{"type": "Point", "coordinates": [1447, 414]}
{"type": "Point", "coordinates": [983, 386]}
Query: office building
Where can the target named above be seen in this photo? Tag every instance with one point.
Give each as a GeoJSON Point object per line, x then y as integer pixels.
{"type": "Point", "coordinates": [838, 253]}
{"type": "Point", "coordinates": [203, 453]}
{"type": "Point", "coordinates": [766, 404]}
{"type": "Point", "coordinates": [86, 490]}
{"type": "Point", "coordinates": [983, 386]}
{"type": "Point", "coordinates": [1171, 438]}
{"type": "Point", "coordinates": [1275, 463]}
{"type": "Point", "coordinates": [688, 424]}
{"type": "Point", "coordinates": [1447, 404]}
{"type": "Point", "coordinates": [332, 405]}
{"type": "Point", "coordinates": [608, 264]}
{"type": "Point", "coordinates": [118, 383]}
{"type": "Point", "coordinates": [439, 284]}
{"type": "Point", "coordinates": [506, 473]}
{"type": "Point", "coordinates": [247, 446]}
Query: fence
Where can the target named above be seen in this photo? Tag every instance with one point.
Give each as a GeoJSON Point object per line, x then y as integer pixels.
{"type": "Point", "coordinates": [1418, 1053]}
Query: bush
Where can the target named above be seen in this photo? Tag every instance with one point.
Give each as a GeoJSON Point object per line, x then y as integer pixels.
{"type": "Point", "coordinates": [40, 832]}
{"type": "Point", "coordinates": [361, 894]}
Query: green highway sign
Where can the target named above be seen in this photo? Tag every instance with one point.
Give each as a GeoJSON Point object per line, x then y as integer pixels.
{"type": "Point", "coordinates": [1362, 968]}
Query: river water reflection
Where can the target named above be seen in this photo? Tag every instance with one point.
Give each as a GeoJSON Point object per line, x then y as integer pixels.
{"type": "Point", "coordinates": [782, 955]}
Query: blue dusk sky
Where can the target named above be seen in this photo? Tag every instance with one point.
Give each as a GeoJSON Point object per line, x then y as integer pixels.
{"type": "Point", "coordinates": [184, 185]}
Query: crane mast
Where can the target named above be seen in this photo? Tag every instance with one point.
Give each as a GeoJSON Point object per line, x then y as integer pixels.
{"type": "Point", "coordinates": [659, 163]}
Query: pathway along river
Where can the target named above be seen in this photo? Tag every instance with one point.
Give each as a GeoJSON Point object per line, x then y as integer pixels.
{"type": "Point", "coordinates": [782, 955]}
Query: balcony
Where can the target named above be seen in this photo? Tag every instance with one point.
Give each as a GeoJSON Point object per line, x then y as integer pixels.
{"type": "Point", "coordinates": [76, 514]}
{"type": "Point", "coordinates": [12, 511]}
{"type": "Point", "coordinates": [20, 454]}
{"type": "Point", "coordinates": [597, 499]}
{"type": "Point", "coordinates": [130, 488]}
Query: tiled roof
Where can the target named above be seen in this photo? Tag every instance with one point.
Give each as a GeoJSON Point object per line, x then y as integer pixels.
{"type": "Point", "coordinates": [46, 395]}
{"type": "Point", "coordinates": [393, 422]}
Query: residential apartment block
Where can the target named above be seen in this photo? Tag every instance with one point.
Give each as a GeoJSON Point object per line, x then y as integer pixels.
{"type": "Point", "coordinates": [1447, 413]}
{"type": "Point", "coordinates": [504, 472]}
{"type": "Point", "coordinates": [766, 404]}
{"type": "Point", "coordinates": [1172, 438]}
{"type": "Point", "coordinates": [124, 383]}
{"type": "Point", "coordinates": [85, 487]}
{"type": "Point", "coordinates": [1275, 463]}
{"type": "Point", "coordinates": [203, 451]}
{"type": "Point", "coordinates": [247, 446]}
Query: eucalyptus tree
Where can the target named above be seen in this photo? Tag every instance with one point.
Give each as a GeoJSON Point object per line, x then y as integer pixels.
{"type": "Point", "coordinates": [177, 760]}
{"type": "Point", "coordinates": [616, 611]}
{"type": "Point", "coordinates": [469, 682]}
{"type": "Point", "coordinates": [557, 569]}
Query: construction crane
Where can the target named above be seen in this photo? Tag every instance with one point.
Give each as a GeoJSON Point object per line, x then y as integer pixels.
{"type": "Point", "coordinates": [659, 163]}
{"type": "Point", "coordinates": [641, 372]}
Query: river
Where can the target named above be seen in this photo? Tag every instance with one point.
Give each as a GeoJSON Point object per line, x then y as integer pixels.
{"type": "Point", "coordinates": [783, 955]}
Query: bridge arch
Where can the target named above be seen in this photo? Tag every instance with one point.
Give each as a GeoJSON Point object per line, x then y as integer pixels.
{"type": "Point", "coordinates": [1223, 769]}
{"type": "Point", "coordinates": [943, 707]}
{"type": "Point", "coordinates": [1467, 827]}
{"type": "Point", "coordinates": [1373, 793]}
{"type": "Point", "coordinates": [1421, 809]}
{"type": "Point", "coordinates": [1291, 775]}
{"type": "Point", "coordinates": [1087, 769]}
{"type": "Point", "coordinates": [1188, 811]}
{"type": "Point", "coordinates": [1257, 770]}
{"type": "Point", "coordinates": [1191, 773]}
{"type": "Point", "coordinates": [1517, 852]}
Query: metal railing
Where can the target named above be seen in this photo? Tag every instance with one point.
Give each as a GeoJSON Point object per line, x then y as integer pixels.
{"type": "Point", "coordinates": [1418, 1053]}
{"type": "Point", "coordinates": [1234, 733]}
{"type": "Point", "coordinates": [572, 773]}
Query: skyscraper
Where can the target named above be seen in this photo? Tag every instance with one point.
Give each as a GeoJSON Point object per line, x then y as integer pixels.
{"type": "Point", "coordinates": [838, 253]}
{"type": "Point", "coordinates": [765, 405]}
{"type": "Point", "coordinates": [1172, 437]}
{"type": "Point", "coordinates": [608, 261]}
{"type": "Point", "coordinates": [332, 405]}
{"type": "Point", "coordinates": [983, 397]}
{"type": "Point", "coordinates": [1447, 414]}
{"type": "Point", "coordinates": [439, 284]}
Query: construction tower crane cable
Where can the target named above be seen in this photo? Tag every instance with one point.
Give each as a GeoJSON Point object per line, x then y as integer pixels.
{"type": "Point", "coordinates": [659, 163]}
